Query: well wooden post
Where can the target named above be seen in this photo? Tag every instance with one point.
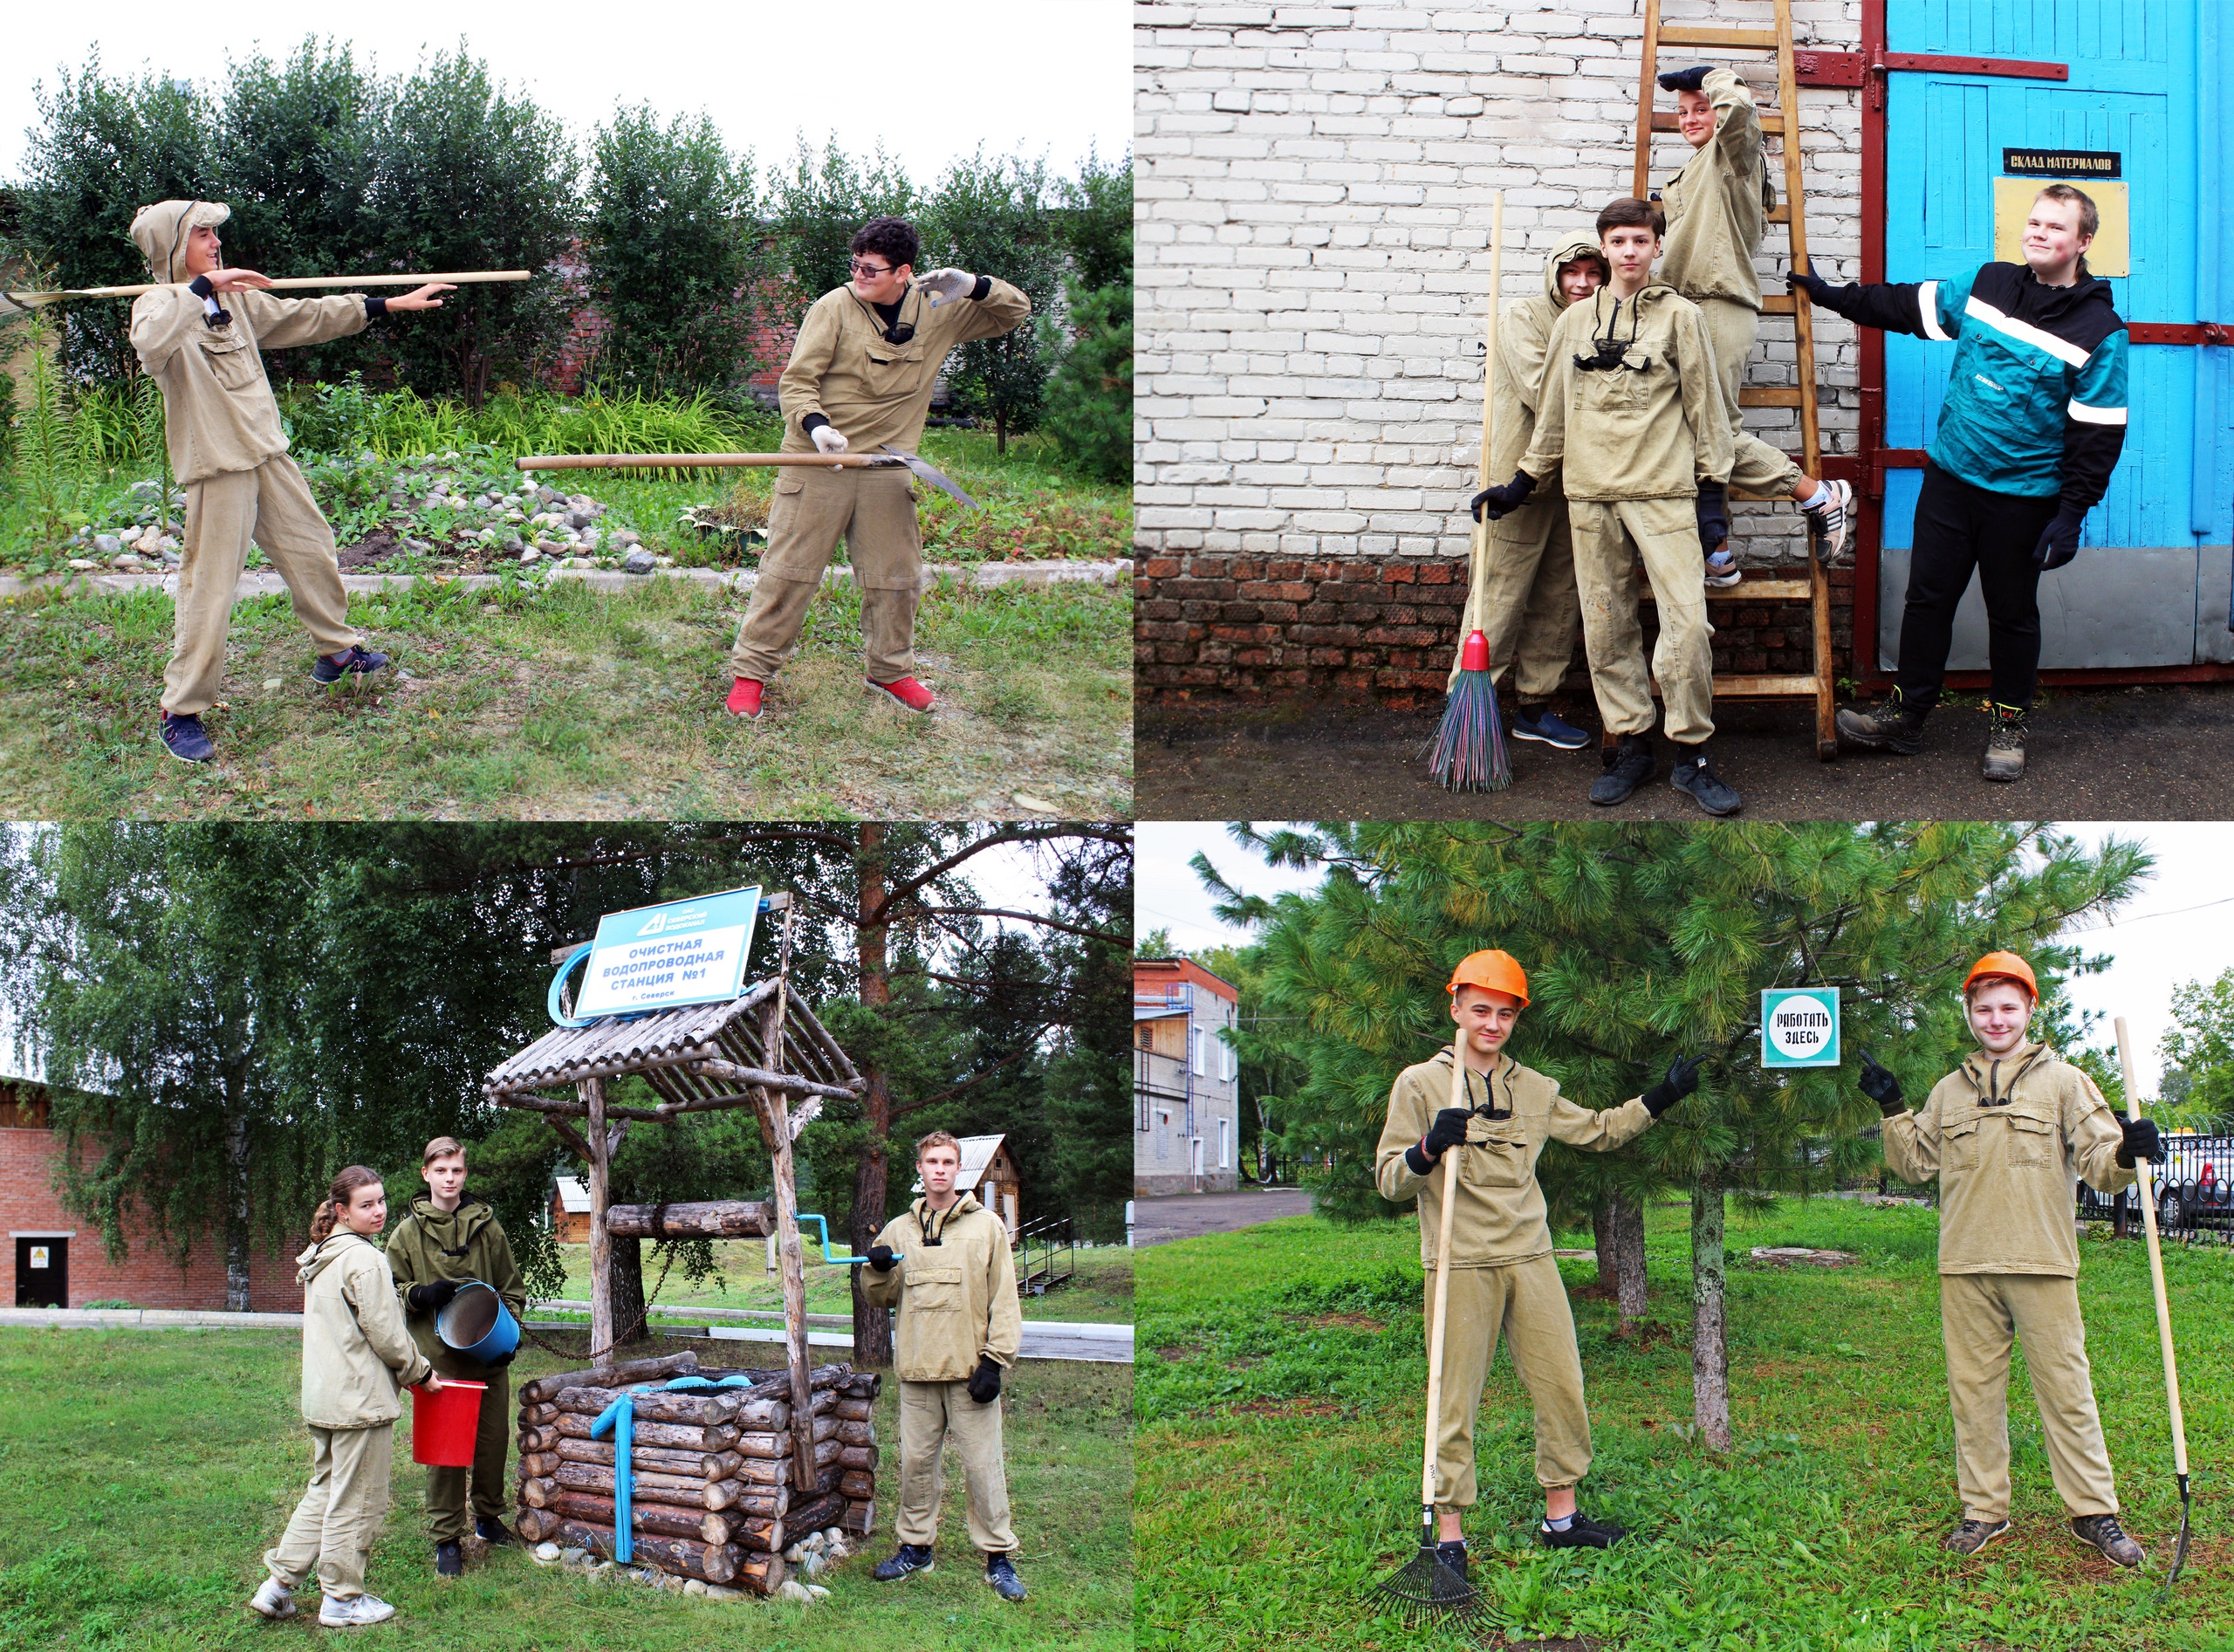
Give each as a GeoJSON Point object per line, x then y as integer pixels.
{"type": "Point", "coordinates": [593, 1093]}
{"type": "Point", "coordinates": [791, 1258]}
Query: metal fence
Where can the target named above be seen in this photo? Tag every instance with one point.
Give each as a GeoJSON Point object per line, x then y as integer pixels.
{"type": "Point", "coordinates": [1046, 1254]}
{"type": "Point", "coordinates": [2194, 1189]}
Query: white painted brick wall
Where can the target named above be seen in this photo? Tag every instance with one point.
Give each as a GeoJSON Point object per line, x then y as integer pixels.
{"type": "Point", "coordinates": [1313, 214]}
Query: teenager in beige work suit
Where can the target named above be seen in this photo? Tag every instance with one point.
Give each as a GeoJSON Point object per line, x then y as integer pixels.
{"type": "Point", "coordinates": [1503, 1276]}
{"type": "Point", "coordinates": [1630, 416]}
{"type": "Point", "coordinates": [944, 1264]}
{"type": "Point", "coordinates": [1524, 602]}
{"type": "Point", "coordinates": [860, 380]}
{"type": "Point", "coordinates": [1717, 210]}
{"type": "Point", "coordinates": [229, 452]}
{"type": "Point", "coordinates": [2007, 1133]}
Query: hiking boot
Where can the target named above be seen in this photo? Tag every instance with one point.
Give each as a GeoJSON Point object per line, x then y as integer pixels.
{"type": "Point", "coordinates": [1723, 571]}
{"type": "Point", "coordinates": [2005, 757]}
{"type": "Point", "coordinates": [1000, 1576]}
{"type": "Point", "coordinates": [1827, 523]}
{"type": "Point", "coordinates": [449, 1560]}
{"type": "Point", "coordinates": [1582, 1532]}
{"type": "Point", "coordinates": [908, 1558]}
{"type": "Point", "coordinates": [1628, 765]}
{"type": "Point", "coordinates": [1890, 726]}
{"type": "Point", "coordinates": [908, 692]}
{"type": "Point", "coordinates": [1708, 790]}
{"type": "Point", "coordinates": [356, 1611]}
{"type": "Point", "coordinates": [491, 1531]}
{"type": "Point", "coordinates": [274, 1599]}
{"type": "Point", "coordinates": [1453, 1554]}
{"type": "Point", "coordinates": [1972, 1535]}
{"type": "Point", "coordinates": [357, 662]}
{"type": "Point", "coordinates": [2102, 1531]}
{"type": "Point", "coordinates": [1541, 724]}
{"type": "Point", "coordinates": [183, 739]}
{"type": "Point", "coordinates": [745, 698]}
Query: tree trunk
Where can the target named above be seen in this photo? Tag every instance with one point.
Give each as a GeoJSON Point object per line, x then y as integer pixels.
{"type": "Point", "coordinates": [872, 1325]}
{"type": "Point", "coordinates": [628, 1325]}
{"type": "Point", "coordinates": [1709, 1343]}
{"type": "Point", "coordinates": [1628, 1259]}
{"type": "Point", "coordinates": [1606, 1234]}
{"type": "Point", "coordinates": [1000, 431]}
{"type": "Point", "coordinates": [236, 1228]}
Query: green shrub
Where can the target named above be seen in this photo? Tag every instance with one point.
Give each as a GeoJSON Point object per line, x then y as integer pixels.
{"type": "Point", "coordinates": [1089, 406]}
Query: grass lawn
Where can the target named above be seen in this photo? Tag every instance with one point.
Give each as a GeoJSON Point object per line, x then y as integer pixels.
{"type": "Point", "coordinates": [1282, 1378]}
{"type": "Point", "coordinates": [1101, 1293]}
{"type": "Point", "coordinates": [567, 703]}
{"type": "Point", "coordinates": [142, 1473]}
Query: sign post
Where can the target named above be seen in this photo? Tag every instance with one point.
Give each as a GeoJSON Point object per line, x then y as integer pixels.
{"type": "Point", "coordinates": [1799, 1027]}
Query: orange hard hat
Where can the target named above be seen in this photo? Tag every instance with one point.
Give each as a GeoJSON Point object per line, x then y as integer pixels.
{"type": "Point", "coordinates": [1492, 971]}
{"type": "Point", "coordinates": [2007, 964]}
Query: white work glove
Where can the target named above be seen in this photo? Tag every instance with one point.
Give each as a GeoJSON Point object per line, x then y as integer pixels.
{"type": "Point", "coordinates": [943, 284]}
{"type": "Point", "coordinates": [827, 439]}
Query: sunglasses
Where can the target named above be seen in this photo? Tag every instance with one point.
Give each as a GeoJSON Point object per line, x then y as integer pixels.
{"type": "Point", "coordinates": [858, 268]}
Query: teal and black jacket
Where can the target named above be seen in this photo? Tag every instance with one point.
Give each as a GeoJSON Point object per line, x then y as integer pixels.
{"type": "Point", "coordinates": [2035, 404]}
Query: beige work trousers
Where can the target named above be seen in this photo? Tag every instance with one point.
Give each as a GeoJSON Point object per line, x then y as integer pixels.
{"type": "Point", "coordinates": [333, 1528]}
{"type": "Point", "coordinates": [1522, 597]}
{"type": "Point", "coordinates": [874, 512]}
{"type": "Point", "coordinates": [450, 1489]}
{"type": "Point", "coordinates": [1609, 538]}
{"type": "Point", "coordinates": [931, 1415]}
{"type": "Point", "coordinates": [1977, 1313]}
{"type": "Point", "coordinates": [272, 506]}
{"type": "Point", "coordinates": [1732, 327]}
{"type": "Point", "coordinates": [1529, 1304]}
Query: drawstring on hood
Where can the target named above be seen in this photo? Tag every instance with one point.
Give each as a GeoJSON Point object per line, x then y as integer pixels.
{"type": "Point", "coordinates": [963, 1204]}
{"type": "Point", "coordinates": [159, 232]}
{"type": "Point", "coordinates": [1984, 1070]}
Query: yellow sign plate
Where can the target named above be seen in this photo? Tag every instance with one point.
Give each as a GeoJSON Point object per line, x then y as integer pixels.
{"type": "Point", "coordinates": [2111, 255]}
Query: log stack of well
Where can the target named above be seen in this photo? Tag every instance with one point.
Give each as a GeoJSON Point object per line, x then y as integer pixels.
{"type": "Point", "coordinates": [712, 1494]}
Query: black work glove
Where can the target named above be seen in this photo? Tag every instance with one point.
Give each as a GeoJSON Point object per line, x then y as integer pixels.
{"type": "Point", "coordinates": [2059, 539]}
{"type": "Point", "coordinates": [1879, 1085]}
{"type": "Point", "coordinates": [880, 1258]}
{"type": "Point", "coordinates": [1685, 79]}
{"type": "Point", "coordinates": [1682, 1078]}
{"type": "Point", "coordinates": [985, 1381]}
{"type": "Point", "coordinates": [1818, 290]}
{"type": "Point", "coordinates": [1503, 501]}
{"type": "Point", "coordinates": [504, 1359]}
{"type": "Point", "coordinates": [1712, 509]}
{"type": "Point", "coordinates": [1446, 1133]}
{"type": "Point", "coordinates": [2141, 1141]}
{"type": "Point", "coordinates": [435, 1293]}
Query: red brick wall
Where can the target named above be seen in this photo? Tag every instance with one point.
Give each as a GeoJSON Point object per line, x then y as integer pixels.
{"type": "Point", "coordinates": [1222, 626]}
{"type": "Point", "coordinates": [145, 1276]}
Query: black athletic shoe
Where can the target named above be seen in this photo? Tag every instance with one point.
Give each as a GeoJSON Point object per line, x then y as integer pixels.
{"type": "Point", "coordinates": [1628, 765]}
{"type": "Point", "coordinates": [1541, 724]}
{"type": "Point", "coordinates": [1972, 1535]}
{"type": "Point", "coordinates": [491, 1531]}
{"type": "Point", "coordinates": [183, 739]}
{"type": "Point", "coordinates": [1890, 726]}
{"type": "Point", "coordinates": [1704, 787]}
{"type": "Point", "coordinates": [2004, 754]}
{"type": "Point", "coordinates": [1000, 1575]}
{"type": "Point", "coordinates": [910, 1558]}
{"type": "Point", "coordinates": [1582, 1533]}
{"type": "Point", "coordinates": [1453, 1554]}
{"type": "Point", "coordinates": [2101, 1532]}
{"type": "Point", "coordinates": [450, 1562]}
{"type": "Point", "coordinates": [357, 663]}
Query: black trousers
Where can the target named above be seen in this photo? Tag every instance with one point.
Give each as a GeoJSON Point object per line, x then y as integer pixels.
{"type": "Point", "coordinates": [1960, 528]}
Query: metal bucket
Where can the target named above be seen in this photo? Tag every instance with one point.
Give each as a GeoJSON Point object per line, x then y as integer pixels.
{"type": "Point", "coordinates": [477, 1324]}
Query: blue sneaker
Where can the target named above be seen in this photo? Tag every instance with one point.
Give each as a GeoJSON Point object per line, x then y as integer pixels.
{"type": "Point", "coordinates": [911, 1559]}
{"type": "Point", "coordinates": [183, 739]}
{"type": "Point", "coordinates": [357, 663]}
{"type": "Point", "coordinates": [1000, 1574]}
{"type": "Point", "coordinates": [1543, 724]}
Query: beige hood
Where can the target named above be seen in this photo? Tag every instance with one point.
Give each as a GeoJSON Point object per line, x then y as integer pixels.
{"type": "Point", "coordinates": [1559, 260]}
{"type": "Point", "coordinates": [159, 232]}
{"type": "Point", "coordinates": [324, 1254]}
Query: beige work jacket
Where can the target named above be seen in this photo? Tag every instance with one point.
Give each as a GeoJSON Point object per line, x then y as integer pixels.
{"type": "Point", "coordinates": [1652, 427]}
{"type": "Point", "coordinates": [357, 1357]}
{"type": "Point", "coordinates": [955, 1286]}
{"type": "Point", "coordinates": [1717, 207]}
{"type": "Point", "coordinates": [1499, 1217]}
{"type": "Point", "coordinates": [2009, 1139]}
{"type": "Point", "coordinates": [873, 391]}
{"type": "Point", "coordinates": [1522, 330]}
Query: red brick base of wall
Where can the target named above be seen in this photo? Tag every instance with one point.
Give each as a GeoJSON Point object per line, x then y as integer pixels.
{"type": "Point", "coordinates": [1265, 628]}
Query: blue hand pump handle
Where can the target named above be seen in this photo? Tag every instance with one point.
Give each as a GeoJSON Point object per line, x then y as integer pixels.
{"type": "Point", "coordinates": [823, 1227]}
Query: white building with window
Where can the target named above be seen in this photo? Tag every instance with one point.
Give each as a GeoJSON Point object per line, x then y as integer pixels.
{"type": "Point", "coordinates": [1186, 1082]}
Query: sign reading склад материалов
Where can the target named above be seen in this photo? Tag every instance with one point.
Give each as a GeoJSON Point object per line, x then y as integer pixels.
{"type": "Point", "coordinates": [684, 952]}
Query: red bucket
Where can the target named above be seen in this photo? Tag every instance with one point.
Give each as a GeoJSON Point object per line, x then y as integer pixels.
{"type": "Point", "coordinates": [442, 1425]}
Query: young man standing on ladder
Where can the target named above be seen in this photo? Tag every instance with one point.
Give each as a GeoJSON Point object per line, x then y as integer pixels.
{"type": "Point", "coordinates": [1502, 1274]}
{"type": "Point", "coordinates": [1718, 211]}
{"type": "Point", "coordinates": [1527, 607]}
{"type": "Point", "coordinates": [860, 379]}
{"type": "Point", "coordinates": [2032, 426]}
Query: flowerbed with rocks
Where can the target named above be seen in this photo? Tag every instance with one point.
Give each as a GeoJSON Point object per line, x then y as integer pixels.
{"type": "Point", "coordinates": [810, 1555]}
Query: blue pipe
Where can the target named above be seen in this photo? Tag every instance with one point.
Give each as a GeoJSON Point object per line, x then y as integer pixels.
{"type": "Point", "coordinates": [620, 1417]}
{"type": "Point", "coordinates": [823, 1228]}
{"type": "Point", "coordinates": [550, 999]}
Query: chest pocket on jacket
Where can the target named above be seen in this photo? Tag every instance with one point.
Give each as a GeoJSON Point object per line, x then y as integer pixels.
{"type": "Point", "coordinates": [1618, 392]}
{"type": "Point", "coordinates": [1499, 1162]}
{"type": "Point", "coordinates": [231, 362]}
{"type": "Point", "coordinates": [892, 369]}
{"type": "Point", "coordinates": [2033, 1135]}
{"type": "Point", "coordinates": [1958, 1142]}
{"type": "Point", "coordinates": [934, 1290]}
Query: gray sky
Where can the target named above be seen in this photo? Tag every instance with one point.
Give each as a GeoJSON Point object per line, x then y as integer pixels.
{"type": "Point", "coordinates": [1021, 77]}
{"type": "Point", "coordinates": [2179, 928]}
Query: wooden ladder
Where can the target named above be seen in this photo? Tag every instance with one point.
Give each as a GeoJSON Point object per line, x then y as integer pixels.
{"type": "Point", "coordinates": [1783, 122]}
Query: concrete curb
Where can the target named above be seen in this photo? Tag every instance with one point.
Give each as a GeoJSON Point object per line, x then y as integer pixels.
{"type": "Point", "coordinates": [983, 575]}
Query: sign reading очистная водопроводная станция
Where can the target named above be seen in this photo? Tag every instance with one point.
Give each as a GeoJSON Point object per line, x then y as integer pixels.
{"type": "Point", "coordinates": [684, 952]}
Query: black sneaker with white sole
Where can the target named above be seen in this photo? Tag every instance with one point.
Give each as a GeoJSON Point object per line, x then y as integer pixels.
{"type": "Point", "coordinates": [357, 662]}
{"type": "Point", "coordinates": [492, 1530]}
{"type": "Point", "coordinates": [1627, 763]}
{"type": "Point", "coordinates": [1582, 1532]}
{"type": "Point", "coordinates": [1547, 727]}
{"type": "Point", "coordinates": [1828, 522]}
{"type": "Point", "coordinates": [1972, 1535]}
{"type": "Point", "coordinates": [1692, 777]}
{"type": "Point", "coordinates": [1001, 1578]}
{"type": "Point", "coordinates": [906, 1561]}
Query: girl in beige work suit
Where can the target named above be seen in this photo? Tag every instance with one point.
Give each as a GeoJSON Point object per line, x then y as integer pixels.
{"type": "Point", "coordinates": [2007, 1133]}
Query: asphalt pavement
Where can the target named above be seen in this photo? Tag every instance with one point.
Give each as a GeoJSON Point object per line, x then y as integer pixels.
{"type": "Point", "coordinates": [1187, 1216]}
{"type": "Point", "coordinates": [2110, 754]}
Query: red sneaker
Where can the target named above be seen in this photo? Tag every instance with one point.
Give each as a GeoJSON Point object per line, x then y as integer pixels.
{"type": "Point", "coordinates": [908, 692]}
{"type": "Point", "coordinates": [745, 698]}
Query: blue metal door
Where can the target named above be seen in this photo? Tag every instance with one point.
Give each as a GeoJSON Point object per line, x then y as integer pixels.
{"type": "Point", "coordinates": [2147, 81]}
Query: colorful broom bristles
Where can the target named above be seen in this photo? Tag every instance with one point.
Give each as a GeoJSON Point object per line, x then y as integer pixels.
{"type": "Point", "coordinates": [1468, 753]}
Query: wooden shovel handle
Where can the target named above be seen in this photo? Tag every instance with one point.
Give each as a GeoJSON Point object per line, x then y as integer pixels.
{"type": "Point", "coordinates": [2155, 1264]}
{"type": "Point", "coordinates": [1442, 1281]}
